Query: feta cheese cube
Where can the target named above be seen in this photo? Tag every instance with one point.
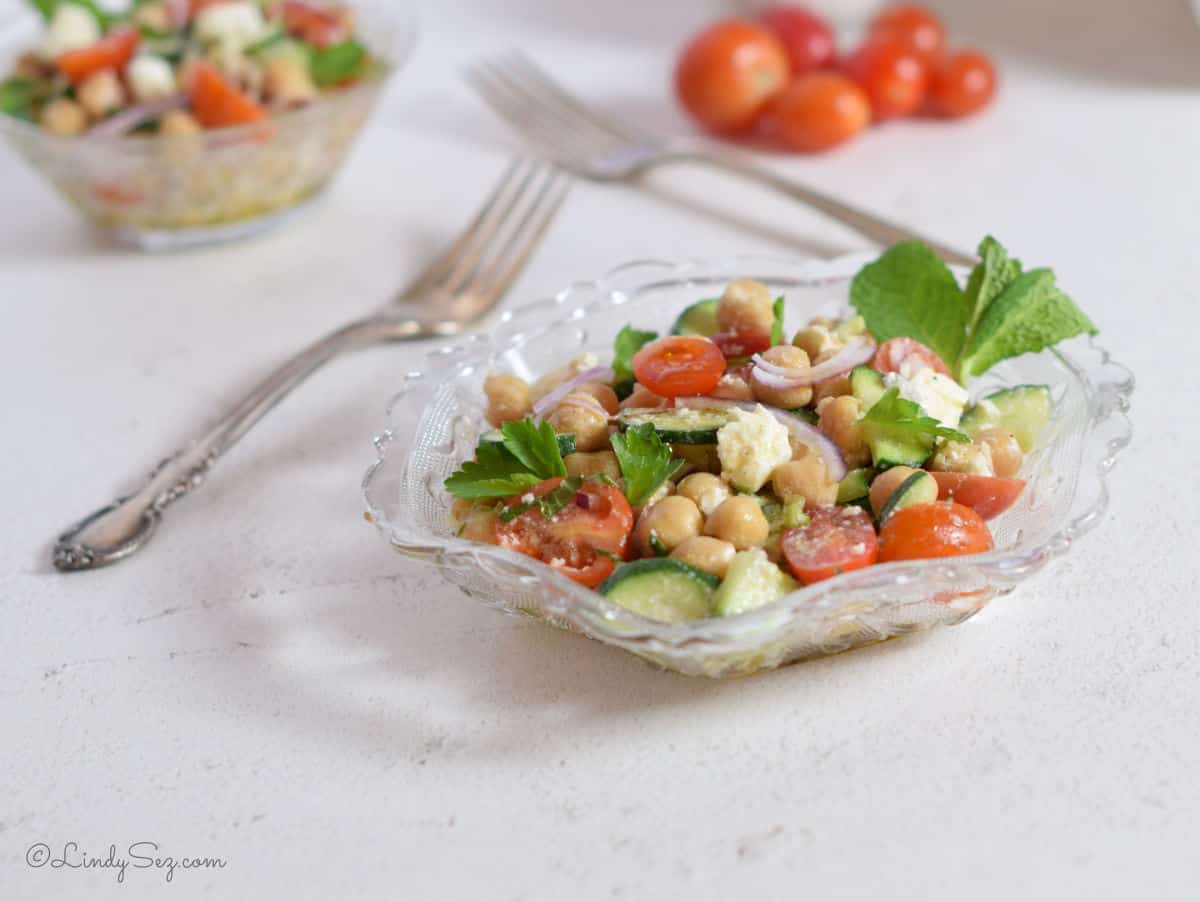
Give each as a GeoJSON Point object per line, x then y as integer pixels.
{"type": "Point", "coordinates": [150, 77]}
{"type": "Point", "coordinates": [751, 446]}
{"type": "Point", "coordinates": [232, 25]}
{"type": "Point", "coordinates": [71, 28]}
{"type": "Point", "coordinates": [939, 396]}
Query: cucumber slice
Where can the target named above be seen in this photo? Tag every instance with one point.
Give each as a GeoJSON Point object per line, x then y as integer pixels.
{"type": "Point", "coordinates": [698, 319]}
{"type": "Point", "coordinates": [681, 426]}
{"type": "Point", "coordinates": [888, 452]}
{"type": "Point", "coordinates": [866, 384]}
{"type": "Point", "coordinates": [566, 441]}
{"type": "Point", "coordinates": [856, 484]}
{"type": "Point", "coordinates": [661, 588]}
{"type": "Point", "coordinates": [751, 582]}
{"type": "Point", "coordinates": [919, 488]}
{"type": "Point", "coordinates": [1023, 410]}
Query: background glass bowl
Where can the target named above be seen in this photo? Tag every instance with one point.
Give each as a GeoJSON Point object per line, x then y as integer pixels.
{"type": "Point", "coordinates": [165, 192]}
{"type": "Point", "coordinates": [436, 418]}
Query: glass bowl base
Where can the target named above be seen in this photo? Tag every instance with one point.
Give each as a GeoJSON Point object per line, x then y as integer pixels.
{"type": "Point", "coordinates": [165, 239]}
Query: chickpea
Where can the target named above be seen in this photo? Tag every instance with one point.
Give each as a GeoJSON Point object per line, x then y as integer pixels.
{"type": "Point", "coordinates": [885, 484]}
{"type": "Point", "coordinates": [840, 420]}
{"type": "Point", "coordinates": [746, 306]}
{"type": "Point", "coordinates": [154, 16]}
{"type": "Point", "coordinates": [740, 522]}
{"type": "Point", "coordinates": [508, 398]}
{"type": "Point", "coordinates": [475, 522]}
{"type": "Point", "coordinates": [706, 490]}
{"type": "Point", "coordinates": [553, 379]}
{"type": "Point", "coordinates": [671, 521]}
{"type": "Point", "coordinates": [830, 388]}
{"type": "Point", "coordinates": [179, 122]}
{"type": "Point", "coordinates": [575, 415]}
{"type": "Point", "coordinates": [591, 463]}
{"type": "Point", "coordinates": [101, 93]}
{"type": "Point", "coordinates": [287, 81]}
{"type": "Point", "coordinates": [604, 395]}
{"type": "Point", "coordinates": [817, 338]}
{"type": "Point", "coordinates": [665, 490]}
{"type": "Point", "coordinates": [733, 387]}
{"type": "Point", "coordinates": [705, 553]}
{"type": "Point", "coordinates": [64, 117]}
{"type": "Point", "coordinates": [787, 398]}
{"type": "Point", "coordinates": [963, 457]}
{"type": "Point", "coordinates": [807, 477]}
{"type": "Point", "coordinates": [642, 397]}
{"type": "Point", "coordinates": [1005, 450]}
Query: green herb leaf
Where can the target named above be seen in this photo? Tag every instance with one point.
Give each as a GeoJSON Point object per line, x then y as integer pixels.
{"type": "Point", "coordinates": [17, 97]}
{"type": "Point", "coordinates": [602, 478]}
{"type": "Point", "coordinates": [910, 292]}
{"type": "Point", "coordinates": [645, 461]}
{"type": "Point", "coordinates": [995, 272]}
{"type": "Point", "coordinates": [657, 546]}
{"type": "Point", "coordinates": [613, 556]}
{"type": "Point", "coordinates": [627, 343]}
{"type": "Point", "coordinates": [534, 446]}
{"type": "Point", "coordinates": [1030, 314]}
{"type": "Point", "coordinates": [494, 473]}
{"type": "Point", "coordinates": [777, 322]}
{"type": "Point", "coordinates": [49, 7]}
{"type": "Point", "coordinates": [513, 511]}
{"type": "Point", "coordinates": [896, 418]}
{"type": "Point", "coordinates": [338, 63]}
{"type": "Point", "coordinates": [563, 494]}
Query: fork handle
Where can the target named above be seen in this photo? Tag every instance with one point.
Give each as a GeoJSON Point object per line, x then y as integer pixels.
{"type": "Point", "coordinates": [871, 226]}
{"type": "Point", "coordinates": [118, 530]}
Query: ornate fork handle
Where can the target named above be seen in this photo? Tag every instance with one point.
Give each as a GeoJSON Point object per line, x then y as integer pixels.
{"type": "Point", "coordinates": [121, 528]}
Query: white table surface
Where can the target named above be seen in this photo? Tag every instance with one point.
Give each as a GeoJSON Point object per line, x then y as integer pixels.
{"type": "Point", "coordinates": [269, 684]}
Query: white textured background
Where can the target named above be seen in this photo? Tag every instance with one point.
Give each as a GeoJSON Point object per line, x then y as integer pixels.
{"type": "Point", "coordinates": [269, 684]}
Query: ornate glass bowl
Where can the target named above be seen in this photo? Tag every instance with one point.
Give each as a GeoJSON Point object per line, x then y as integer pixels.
{"type": "Point", "coordinates": [435, 420]}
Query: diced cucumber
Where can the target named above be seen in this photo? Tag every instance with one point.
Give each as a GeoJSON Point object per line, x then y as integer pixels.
{"type": "Point", "coordinates": [661, 588]}
{"type": "Point", "coordinates": [566, 441]}
{"type": "Point", "coordinates": [854, 485]}
{"type": "Point", "coordinates": [866, 384]}
{"type": "Point", "coordinates": [889, 451]}
{"type": "Point", "coordinates": [788, 515]}
{"type": "Point", "coordinates": [698, 319]}
{"type": "Point", "coordinates": [1023, 410]}
{"type": "Point", "coordinates": [751, 582]}
{"type": "Point", "coordinates": [919, 488]}
{"type": "Point", "coordinates": [680, 426]}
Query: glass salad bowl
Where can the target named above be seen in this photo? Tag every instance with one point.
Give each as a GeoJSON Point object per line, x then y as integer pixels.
{"type": "Point", "coordinates": [435, 420]}
{"type": "Point", "coordinates": [161, 192]}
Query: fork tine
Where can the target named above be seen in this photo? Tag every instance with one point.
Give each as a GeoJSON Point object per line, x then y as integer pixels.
{"type": "Point", "coordinates": [525, 116]}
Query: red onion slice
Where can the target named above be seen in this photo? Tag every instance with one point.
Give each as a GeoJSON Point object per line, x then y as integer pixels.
{"type": "Point", "coordinates": [127, 120]}
{"type": "Point", "coordinates": [547, 401]}
{"type": "Point", "coordinates": [856, 352]}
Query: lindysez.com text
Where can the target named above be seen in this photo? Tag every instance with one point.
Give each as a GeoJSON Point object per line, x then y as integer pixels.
{"type": "Point", "coordinates": [138, 856]}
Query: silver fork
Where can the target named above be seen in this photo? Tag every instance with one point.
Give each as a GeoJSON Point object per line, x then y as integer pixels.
{"type": "Point", "coordinates": [457, 289]}
{"type": "Point", "coordinates": [597, 147]}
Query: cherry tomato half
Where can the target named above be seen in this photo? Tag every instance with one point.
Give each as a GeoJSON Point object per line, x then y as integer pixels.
{"type": "Point", "coordinates": [936, 529]}
{"type": "Point", "coordinates": [598, 519]}
{"type": "Point", "coordinates": [914, 25]}
{"type": "Point", "coordinates": [907, 354]}
{"type": "Point", "coordinates": [806, 36]}
{"type": "Point", "coordinates": [819, 110]}
{"type": "Point", "coordinates": [988, 496]}
{"type": "Point", "coordinates": [679, 365]}
{"type": "Point", "coordinates": [893, 75]}
{"type": "Point", "coordinates": [963, 83]}
{"type": "Point", "coordinates": [728, 72]}
{"type": "Point", "coordinates": [317, 26]}
{"type": "Point", "coordinates": [735, 345]}
{"type": "Point", "coordinates": [112, 51]}
{"type": "Point", "coordinates": [835, 540]}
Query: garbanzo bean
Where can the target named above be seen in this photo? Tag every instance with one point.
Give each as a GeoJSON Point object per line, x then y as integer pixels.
{"type": "Point", "coordinates": [475, 523]}
{"type": "Point", "coordinates": [101, 93]}
{"type": "Point", "coordinates": [64, 117]}
{"type": "Point", "coordinates": [508, 398]}
{"type": "Point", "coordinates": [817, 337]}
{"type": "Point", "coordinates": [807, 477]}
{"type": "Point", "coordinates": [885, 484]}
{"type": "Point", "coordinates": [740, 522]}
{"type": "Point", "coordinates": [705, 553]}
{"type": "Point", "coordinates": [1006, 450]}
{"type": "Point", "coordinates": [706, 490]}
{"type": "Point", "coordinates": [671, 521]}
{"type": "Point", "coordinates": [787, 398]}
{"type": "Point", "coordinates": [584, 463]}
{"type": "Point", "coordinates": [576, 414]}
{"type": "Point", "coordinates": [830, 388]}
{"type": "Point", "coordinates": [746, 306]}
{"type": "Point", "coordinates": [733, 387]}
{"type": "Point", "coordinates": [963, 457]}
{"type": "Point", "coordinates": [604, 395]}
{"type": "Point", "coordinates": [642, 397]}
{"type": "Point", "coordinates": [839, 419]}
{"type": "Point", "coordinates": [179, 122]}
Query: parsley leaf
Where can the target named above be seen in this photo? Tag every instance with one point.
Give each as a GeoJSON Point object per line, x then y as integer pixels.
{"type": "Point", "coordinates": [563, 494]}
{"type": "Point", "coordinates": [897, 419]}
{"type": "Point", "coordinates": [645, 461]}
{"type": "Point", "coordinates": [494, 473]}
{"type": "Point", "coordinates": [628, 342]}
{"type": "Point", "coordinates": [777, 322]}
{"type": "Point", "coordinates": [336, 64]}
{"type": "Point", "coordinates": [534, 446]}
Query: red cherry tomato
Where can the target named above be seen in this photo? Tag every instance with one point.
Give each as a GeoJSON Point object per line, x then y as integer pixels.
{"type": "Point", "coordinates": [112, 51]}
{"type": "Point", "coordinates": [736, 345]}
{"type": "Point", "coordinates": [893, 75]}
{"type": "Point", "coordinates": [728, 72]}
{"type": "Point", "coordinates": [937, 529]}
{"type": "Point", "coordinates": [806, 36]}
{"type": "Point", "coordinates": [988, 496]}
{"type": "Point", "coordinates": [963, 83]}
{"type": "Point", "coordinates": [317, 26]}
{"type": "Point", "coordinates": [895, 352]}
{"type": "Point", "coordinates": [679, 365]}
{"type": "Point", "coordinates": [819, 110]}
{"type": "Point", "coordinates": [216, 102]}
{"type": "Point", "coordinates": [835, 540]}
{"type": "Point", "coordinates": [914, 25]}
{"type": "Point", "coordinates": [597, 519]}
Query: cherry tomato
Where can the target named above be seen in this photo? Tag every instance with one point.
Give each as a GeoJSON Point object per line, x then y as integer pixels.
{"type": "Point", "coordinates": [988, 496]}
{"type": "Point", "coordinates": [112, 51]}
{"type": "Point", "coordinates": [819, 110]}
{"type": "Point", "coordinates": [835, 540]}
{"type": "Point", "coordinates": [807, 37]}
{"type": "Point", "coordinates": [317, 26]}
{"type": "Point", "coordinates": [893, 75]}
{"type": "Point", "coordinates": [907, 354]}
{"type": "Point", "coordinates": [936, 529]}
{"type": "Point", "coordinates": [963, 83]}
{"type": "Point", "coordinates": [597, 519]}
{"type": "Point", "coordinates": [914, 25]}
{"type": "Point", "coordinates": [217, 103]}
{"type": "Point", "coordinates": [728, 72]}
{"type": "Point", "coordinates": [679, 365]}
{"type": "Point", "coordinates": [735, 345]}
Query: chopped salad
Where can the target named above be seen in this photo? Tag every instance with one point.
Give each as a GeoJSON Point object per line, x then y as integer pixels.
{"type": "Point", "coordinates": [181, 66]}
{"type": "Point", "coordinates": [716, 469]}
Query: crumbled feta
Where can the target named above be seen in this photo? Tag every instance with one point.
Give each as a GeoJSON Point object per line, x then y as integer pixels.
{"type": "Point", "coordinates": [751, 446]}
{"type": "Point", "coordinates": [712, 498]}
{"type": "Point", "coordinates": [71, 28]}
{"type": "Point", "coordinates": [963, 457]}
{"type": "Point", "coordinates": [939, 396]}
{"type": "Point", "coordinates": [150, 77]}
{"type": "Point", "coordinates": [233, 24]}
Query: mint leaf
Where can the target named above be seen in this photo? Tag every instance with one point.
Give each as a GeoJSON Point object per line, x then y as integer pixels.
{"type": "Point", "coordinates": [645, 461]}
{"type": "Point", "coordinates": [910, 292]}
{"type": "Point", "coordinates": [893, 418]}
{"type": "Point", "coordinates": [1031, 314]}
{"type": "Point", "coordinates": [494, 473]}
{"type": "Point", "coordinates": [995, 272]}
{"type": "Point", "coordinates": [534, 446]}
{"type": "Point", "coordinates": [777, 322]}
{"type": "Point", "coordinates": [627, 343]}
{"type": "Point", "coordinates": [337, 64]}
